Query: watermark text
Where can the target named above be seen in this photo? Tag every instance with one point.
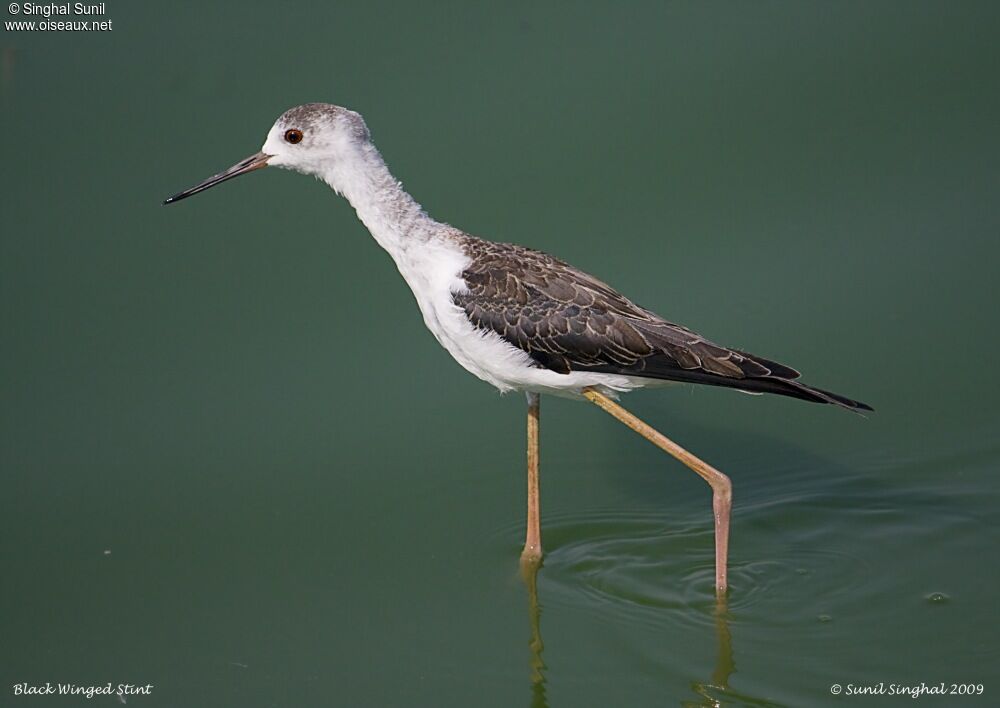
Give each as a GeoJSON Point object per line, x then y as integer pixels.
{"type": "Point", "coordinates": [909, 690]}
{"type": "Point", "coordinates": [62, 17]}
{"type": "Point", "coordinates": [72, 689]}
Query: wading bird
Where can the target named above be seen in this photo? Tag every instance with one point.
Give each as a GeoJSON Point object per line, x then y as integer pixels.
{"type": "Point", "coordinates": [518, 318]}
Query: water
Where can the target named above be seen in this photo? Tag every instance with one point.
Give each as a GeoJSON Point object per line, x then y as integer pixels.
{"type": "Point", "coordinates": [219, 480]}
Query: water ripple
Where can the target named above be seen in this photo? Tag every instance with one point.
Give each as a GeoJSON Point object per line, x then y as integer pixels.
{"type": "Point", "coordinates": [837, 552]}
{"type": "Point", "coordinates": [652, 567]}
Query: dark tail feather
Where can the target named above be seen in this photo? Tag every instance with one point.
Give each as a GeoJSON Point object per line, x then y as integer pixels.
{"type": "Point", "coordinates": [766, 384]}
{"type": "Point", "coordinates": [666, 368]}
{"type": "Point", "coordinates": [784, 387]}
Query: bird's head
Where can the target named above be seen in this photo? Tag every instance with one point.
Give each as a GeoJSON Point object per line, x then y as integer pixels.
{"type": "Point", "coordinates": [313, 138]}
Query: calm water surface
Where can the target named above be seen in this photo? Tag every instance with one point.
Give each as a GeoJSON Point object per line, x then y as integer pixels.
{"type": "Point", "coordinates": [235, 465]}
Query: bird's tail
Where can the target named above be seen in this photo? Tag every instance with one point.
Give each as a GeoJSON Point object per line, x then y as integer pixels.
{"type": "Point", "coordinates": [794, 389]}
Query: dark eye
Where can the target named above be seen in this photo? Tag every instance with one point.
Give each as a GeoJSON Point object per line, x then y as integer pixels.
{"type": "Point", "coordinates": [293, 136]}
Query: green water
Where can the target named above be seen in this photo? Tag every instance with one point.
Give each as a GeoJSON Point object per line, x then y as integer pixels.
{"type": "Point", "coordinates": [237, 467]}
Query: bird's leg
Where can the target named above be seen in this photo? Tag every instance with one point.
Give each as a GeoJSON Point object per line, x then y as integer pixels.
{"type": "Point", "coordinates": [722, 488]}
{"type": "Point", "coordinates": [532, 552]}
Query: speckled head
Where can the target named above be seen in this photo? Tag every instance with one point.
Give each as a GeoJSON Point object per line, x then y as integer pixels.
{"type": "Point", "coordinates": [312, 138]}
{"type": "Point", "coordinates": [309, 137]}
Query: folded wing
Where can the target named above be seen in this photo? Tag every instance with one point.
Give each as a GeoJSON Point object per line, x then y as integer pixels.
{"type": "Point", "coordinates": [567, 320]}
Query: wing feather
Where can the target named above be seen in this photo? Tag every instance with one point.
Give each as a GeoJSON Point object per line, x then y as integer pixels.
{"type": "Point", "coordinates": [567, 320]}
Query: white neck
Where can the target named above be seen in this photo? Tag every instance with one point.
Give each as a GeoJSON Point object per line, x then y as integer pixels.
{"type": "Point", "coordinates": [391, 215]}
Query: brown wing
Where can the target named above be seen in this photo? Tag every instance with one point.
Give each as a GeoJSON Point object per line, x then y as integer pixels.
{"type": "Point", "coordinates": [567, 320]}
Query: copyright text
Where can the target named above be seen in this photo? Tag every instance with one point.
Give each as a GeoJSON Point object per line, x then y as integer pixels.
{"type": "Point", "coordinates": [72, 17]}
{"type": "Point", "coordinates": [910, 690]}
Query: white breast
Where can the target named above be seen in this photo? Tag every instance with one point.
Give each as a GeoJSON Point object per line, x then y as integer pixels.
{"type": "Point", "coordinates": [433, 273]}
{"type": "Point", "coordinates": [431, 261]}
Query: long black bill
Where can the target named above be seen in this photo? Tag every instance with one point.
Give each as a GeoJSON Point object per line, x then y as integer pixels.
{"type": "Point", "coordinates": [254, 162]}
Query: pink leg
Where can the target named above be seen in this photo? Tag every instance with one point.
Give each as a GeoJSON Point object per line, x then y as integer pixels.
{"type": "Point", "coordinates": [532, 552]}
{"type": "Point", "coordinates": [722, 488]}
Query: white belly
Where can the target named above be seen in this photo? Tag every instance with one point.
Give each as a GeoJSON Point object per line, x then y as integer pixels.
{"type": "Point", "coordinates": [434, 276]}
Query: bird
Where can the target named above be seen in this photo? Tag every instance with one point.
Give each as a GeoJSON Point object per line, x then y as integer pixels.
{"type": "Point", "coordinates": [517, 318]}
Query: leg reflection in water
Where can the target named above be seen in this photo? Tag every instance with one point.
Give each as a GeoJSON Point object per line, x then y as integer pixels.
{"type": "Point", "coordinates": [529, 573]}
{"type": "Point", "coordinates": [713, 694]}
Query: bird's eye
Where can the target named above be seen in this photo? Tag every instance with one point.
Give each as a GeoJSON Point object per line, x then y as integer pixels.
{"type": "Point", "coordinates": [293, 136]}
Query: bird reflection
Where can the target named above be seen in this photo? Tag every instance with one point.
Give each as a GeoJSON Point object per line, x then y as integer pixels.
{"type": "Point", "coordinates": [713, 693]}
{"type": "Point", "coordinates": [529, 573]}
{"type": "Point", "coordinates": [724, 664]}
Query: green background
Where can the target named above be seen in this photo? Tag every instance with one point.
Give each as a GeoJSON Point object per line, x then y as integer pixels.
{"type": "Point", "coordinates": [236, 466]}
